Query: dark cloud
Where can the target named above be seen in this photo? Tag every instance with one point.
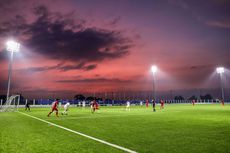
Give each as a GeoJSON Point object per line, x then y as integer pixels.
{"type": "Point", "coordinates": [62, 67]}
{"type": "Point", "coordinates": [15, 28]}
{"type": "Point", "coordinates": [95, 80]}
{"type": "Point", "coordinates": [194, 75]}
{"type": "Point", "coordinates": [199, 67]}
{"type": "Point", "coordinates": [3, 86]}
{"type": "Point", "coordinates": [39, 69]}
{"type": "Point", "coordinates": [115, 21]}
{"type": "Point", "coordinates": [59, 37]}
{"type": "Point", "coordinates": [82, 66]}
{"type": "Point", "coordinates": [90, 67]}
{"type": "Point", "coordinates": [219, 24]}
{"type": "Point", "coordinates": [13, 86]}
{"type": "Point", "coordinates": [214, 13]}
{"type": "Point", "coordinates": [3, 55]}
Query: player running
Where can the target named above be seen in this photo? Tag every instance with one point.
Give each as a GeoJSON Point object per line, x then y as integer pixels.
{"type": "Point", "coordinates": [222, 102]}
{"type": "Point", "coordinates": [154, 105]}
{"type": "Point", "coordinates": [66, 108]}
{"type": "Point", "coordinates": [27, 106]}
{"type": "Point", "coordinates": [147, 103]}
{"type": "Point", "coordinates": [127, 105]}
{"type": "Point", "coordinates": [54, 107]}
{"type": "Point", "coordinates": [94, 106]}
{"type": "Point", "coordinates": [193, 102]}
{"type": "Point", "coordinates": [162, 104]}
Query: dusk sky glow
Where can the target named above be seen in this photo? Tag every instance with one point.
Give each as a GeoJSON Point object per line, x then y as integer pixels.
{"type": "Point", "coordinates": [110, 45]}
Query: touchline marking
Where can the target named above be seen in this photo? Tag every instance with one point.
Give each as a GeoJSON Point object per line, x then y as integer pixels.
{"type": "Point", "coordinates": [84, 135]}
{"type": "Point", "coordinates": [83, 117]}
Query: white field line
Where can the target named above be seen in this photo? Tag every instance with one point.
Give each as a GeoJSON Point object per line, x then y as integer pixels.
{"type": "Point", "coordinates": [82, 134]}
{"type": "Point", "coordinates": [83, 117]}
{"type": "Point", "coordinates": [108, 116]}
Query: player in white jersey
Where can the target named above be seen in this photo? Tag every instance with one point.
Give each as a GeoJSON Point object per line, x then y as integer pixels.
{"type": "Point", "coordinates": [128, 105]}
{"type": "Point", "coordinates": [83, 104]}
{"type": "Point", "coordinates": [66, 108]}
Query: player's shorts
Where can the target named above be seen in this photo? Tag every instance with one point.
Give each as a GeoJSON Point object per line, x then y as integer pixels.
{"type": "Point", "coordinates": [96, 107]}
{"type": "Point", "coordinates": [54, 109]}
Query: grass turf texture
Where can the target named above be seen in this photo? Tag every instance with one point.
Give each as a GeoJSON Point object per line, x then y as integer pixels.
{"type": "Point", "coordinates": [176, 129]}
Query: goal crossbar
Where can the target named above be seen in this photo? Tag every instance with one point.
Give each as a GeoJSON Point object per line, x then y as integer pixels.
{"type": "Point", "coordinates": [11, 104]}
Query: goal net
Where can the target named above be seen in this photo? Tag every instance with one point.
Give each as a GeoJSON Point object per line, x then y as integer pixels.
{"type": "Point", "coordinates": [11, 104]}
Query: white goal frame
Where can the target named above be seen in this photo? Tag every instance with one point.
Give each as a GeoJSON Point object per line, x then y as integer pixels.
{"type": "Point", "coordinates": [11, 104]}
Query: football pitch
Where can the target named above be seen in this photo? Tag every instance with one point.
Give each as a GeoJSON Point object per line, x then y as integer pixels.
{"type": "Point", "coordinates": [179, 128]}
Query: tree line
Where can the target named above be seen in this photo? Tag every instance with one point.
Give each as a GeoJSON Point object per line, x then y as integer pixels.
{"type": "Point", "coordinates": [81, 97]}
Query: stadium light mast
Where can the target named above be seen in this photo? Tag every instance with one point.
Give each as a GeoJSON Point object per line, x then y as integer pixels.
{"type": "Point", "coordinates": [12, 47]}
{"type": "Point", "coordinates": [220, 70]}
{"type": "Point", "coordinates": [154, 71]}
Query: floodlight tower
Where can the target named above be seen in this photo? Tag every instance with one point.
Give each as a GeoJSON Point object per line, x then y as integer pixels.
{"type": "Point", "coordinates": [220, 70]}
{"type": "Point", "coordinates": [12, 47]}
{"type": "Point", "coordinates": [154, 71]}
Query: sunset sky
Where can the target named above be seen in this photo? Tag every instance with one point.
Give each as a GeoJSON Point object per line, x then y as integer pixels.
{"type": "Point", "coordinates": [109, 45]}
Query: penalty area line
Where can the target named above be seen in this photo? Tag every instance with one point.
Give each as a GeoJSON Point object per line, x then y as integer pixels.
{"type": "Point", "coordinates": [82, 134]}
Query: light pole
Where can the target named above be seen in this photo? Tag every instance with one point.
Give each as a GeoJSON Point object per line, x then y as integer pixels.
{"type": "Point", "coordinates": [220, 70]}
{"type": "Point", "coordinates": [12, 47]}
{"type": "Point", "coordinates": [154, 71]}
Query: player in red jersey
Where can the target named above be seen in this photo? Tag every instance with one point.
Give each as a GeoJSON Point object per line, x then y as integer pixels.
{"type": "Point", "coordinates": [193, 102]}
{"type": "Point", "coordinates": [94, 106]}
{"type": "Point", "coordinates": [162, 104]}
{"type": "Point", "coordinates": [54, 107]}
{"type": "Point", "coordinates": [147, 103]}
{"type": "Point", "coordinates": [222, 102]}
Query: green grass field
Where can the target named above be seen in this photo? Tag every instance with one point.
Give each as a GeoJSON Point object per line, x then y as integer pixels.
{"type": "Point", "coordinates": [179, 128]}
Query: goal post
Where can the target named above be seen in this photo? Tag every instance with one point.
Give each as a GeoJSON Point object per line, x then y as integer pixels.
{"type": "Point", "coordinates": [11, 104]}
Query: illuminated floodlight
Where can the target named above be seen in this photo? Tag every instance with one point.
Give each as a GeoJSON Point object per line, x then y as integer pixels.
{"type": "Point", "coordinates": [12, 46]}
{"type": "Point", "coordinates": [154, 69]}
{"type": "Point", "coordinates": [220, 70]}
